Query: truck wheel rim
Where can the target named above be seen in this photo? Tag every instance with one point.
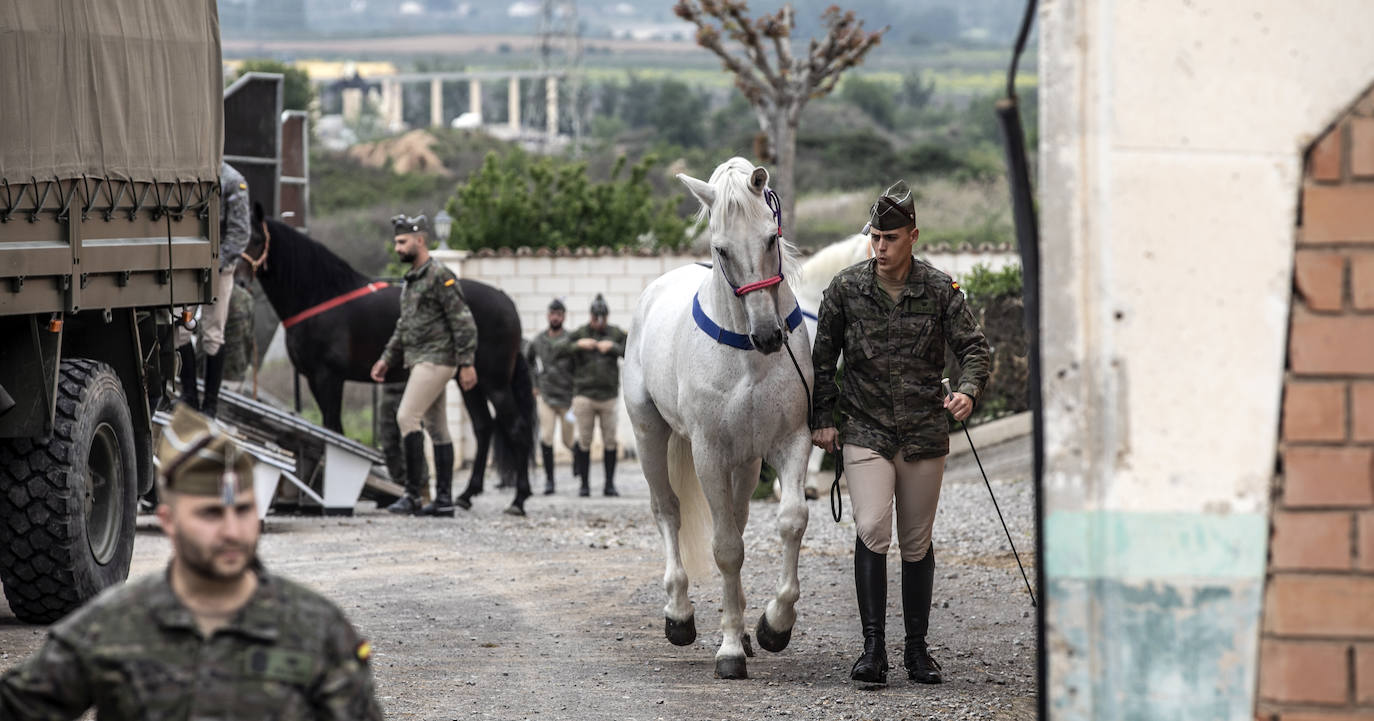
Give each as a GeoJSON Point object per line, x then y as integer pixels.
{"type": "Point", "coordinates": [104, 481]}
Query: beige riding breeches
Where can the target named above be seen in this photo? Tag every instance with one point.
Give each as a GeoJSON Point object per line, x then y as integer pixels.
{"type": "Point", "coordinates": [875, 481]}
{"type": "Point", "coordinates": [213, 317]}
{"type": "Point", "coordinates": [586, 411]}
{"type": "Point", "coordinates": [552, 418]}
{"type": "Point", "coordinates": [423, 399]}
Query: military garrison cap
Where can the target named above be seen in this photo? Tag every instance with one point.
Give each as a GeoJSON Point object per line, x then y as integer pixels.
{"type": "Point", "coordinates": [402, 225]}
{"type": "Point", "coordinates": [599, 306]}
{"type": "Point", "coordinates": [197, 458]}
{"type": "Point", "coordinates": [894, 209]}
{"type": "Point", "coordinates": [557, 304]}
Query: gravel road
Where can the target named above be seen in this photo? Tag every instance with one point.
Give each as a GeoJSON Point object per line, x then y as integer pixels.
{"type": "Point", "coordinates": [559, 615]}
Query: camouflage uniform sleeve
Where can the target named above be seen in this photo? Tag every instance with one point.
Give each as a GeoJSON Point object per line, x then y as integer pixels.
{"type": "Point", "coordinates": [966, 339]}
{"type": "Point", "coordinates": [392, 353]}
{"type": "Point", "coordinates": [237, 217]}
{"type": "Point", "coordinates": [567, 349]}
{"type": "Point", "coordinates": [617, 339]}
{"type": "Point", "coordinates": [49, 686]}
{"type": "Point", "coordinates": [460, 320]}
{"type": "Point", "coordinates": [825, 353]}
{"type": "Point", "coordinates": [344, 691]}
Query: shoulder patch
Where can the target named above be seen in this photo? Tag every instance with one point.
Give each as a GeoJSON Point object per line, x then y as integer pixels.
{"type": "Point", "coordinates": [954, 284]}
{"type": "Point", "coordinates": [243, 186]}
{"type": "Point", "coordinates": [363, 651]}
{"type": "Point", "coordinates": [450, 282]}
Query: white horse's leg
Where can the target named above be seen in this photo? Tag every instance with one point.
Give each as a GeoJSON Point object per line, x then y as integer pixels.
{"type": "Point", "coordinates": [774, 629]}
{"type": "Point", "coordinates": [679, 618]}
{"type": "Point", "coordinates": [728, 546]}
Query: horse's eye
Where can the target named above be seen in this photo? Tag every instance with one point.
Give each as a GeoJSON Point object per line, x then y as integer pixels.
{"type": "Point", "coordinates": [772, 240]}
{"type": "Point", "coordinates": [722, 252]}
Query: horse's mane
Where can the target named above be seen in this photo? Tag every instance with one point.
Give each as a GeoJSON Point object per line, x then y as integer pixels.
{"type": "Point", "coordinates": [736, 199]}
{"type": "Point", "coordinates": [817, 271]}
{"type": "Point", "coordinates": [308, 264]}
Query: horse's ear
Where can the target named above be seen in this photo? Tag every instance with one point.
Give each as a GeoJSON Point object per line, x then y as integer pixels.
{"type": "Point", "coordinates": [257, 213]}
{"type": "Point", "coordinates": [759, 180]}
{"type": "Point", "coordinates": [703, 190]}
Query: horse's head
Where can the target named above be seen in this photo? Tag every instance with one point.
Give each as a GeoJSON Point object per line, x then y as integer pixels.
{"type": "Point", "coordinates": [746, 243]}
{"type": "Point", "coordinates": [254, 256]}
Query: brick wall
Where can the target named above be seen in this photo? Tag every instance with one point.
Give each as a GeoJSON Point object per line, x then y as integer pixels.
{"type": "Point", "coordinates": [1317, 648]}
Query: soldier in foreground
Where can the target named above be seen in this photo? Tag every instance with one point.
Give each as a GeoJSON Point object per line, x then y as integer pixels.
{"type": "Point", "coordinates": [215, 635]}
{"type": "Point", "coordinates": [435, 338]}
{"type": "Point", "coordinates": [596, 349]}
{"type": "Point", "coordinates": [553, 387]}
{"type": "Point", "coordinates": [892, 317]}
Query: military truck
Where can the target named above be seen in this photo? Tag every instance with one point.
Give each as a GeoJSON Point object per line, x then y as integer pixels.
{"type": "Point", "coordinates": [110, 146]}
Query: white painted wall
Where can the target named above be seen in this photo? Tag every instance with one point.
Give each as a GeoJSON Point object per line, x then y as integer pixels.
{"type": "Point", "coordinates": [1171, 141]}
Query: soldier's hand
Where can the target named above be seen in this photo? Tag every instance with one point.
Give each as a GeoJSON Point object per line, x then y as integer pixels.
{"type": "Point", "coordinates": [586, 343]}
{"type": "Point", "coordinates": [825, 438]}
{"type": "Point", "coordinates": [605, 346]}
{"type": "Point", "coordinates": [379, 370]}
{"type": "Point", "coordinates": [959, 405]}
{"type": "Point", "coordinates": [467, 378]}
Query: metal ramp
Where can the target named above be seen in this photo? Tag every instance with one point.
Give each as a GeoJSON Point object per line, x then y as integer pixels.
{"type": "Point", "coordinates": [290, 447]}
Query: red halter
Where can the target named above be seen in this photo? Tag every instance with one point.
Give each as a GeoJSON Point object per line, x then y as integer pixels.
{"type": "Point", "coordinates": [775, 205]}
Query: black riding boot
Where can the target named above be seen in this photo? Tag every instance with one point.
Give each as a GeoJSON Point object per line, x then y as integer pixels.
{"type": "Point", "coordinates": [870, 581]}
{"type": "Point", "coordinates": [918, 580]}
{"type": "Point", "coordinates": [608, 458]}
{"type": "Point", "coordinates": [582, 468]}
{"type": "Point", "coordinates": [214, 373]}
{"type": "Point", "coordinates": [547, 451]}
{"type": "Point", "coordinates": [189, 394]}
{"type": "Point", "coordinates": [443, 482]}
{"type": "Point", "coordinates": [414, 445]}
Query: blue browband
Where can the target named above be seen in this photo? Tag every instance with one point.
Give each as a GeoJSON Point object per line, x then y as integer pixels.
{"type": "Point", "coordinates": [732, 339]}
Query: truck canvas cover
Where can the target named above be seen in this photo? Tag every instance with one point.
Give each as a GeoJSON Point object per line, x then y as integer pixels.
{"type": "Point", "coordinates": [119, 89]}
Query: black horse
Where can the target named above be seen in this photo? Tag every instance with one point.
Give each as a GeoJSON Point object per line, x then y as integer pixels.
{"type": "Point", "coordinates": [340, 344]}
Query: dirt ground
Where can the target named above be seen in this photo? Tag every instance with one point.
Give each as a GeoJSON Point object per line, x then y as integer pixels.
{"type": "Point", "coordinates": [559, 615]}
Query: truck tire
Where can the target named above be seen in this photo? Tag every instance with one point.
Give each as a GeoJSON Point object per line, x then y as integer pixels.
{"type": "Point", "coordinates": [68, 503]}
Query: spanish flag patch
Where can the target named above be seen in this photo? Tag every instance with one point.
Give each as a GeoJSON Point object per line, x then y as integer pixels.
{"type": "Point", "coordinates": [363, 651]}
{"type": "Point", "coordinates": [449, 282]}
{"type": "Point", "coordinates": [243, 186]}
{"type": "Point", "coordinates": [954, 285]}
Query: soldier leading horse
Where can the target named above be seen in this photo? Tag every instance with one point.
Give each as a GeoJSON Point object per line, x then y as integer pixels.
{"type": "Point", "coordinates": [338, 321]}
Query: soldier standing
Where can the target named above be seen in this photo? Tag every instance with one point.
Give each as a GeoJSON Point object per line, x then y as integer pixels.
{"type": "Point", "coordinates": [892, 317]}
{"type": "Point", "coordinates": [553, 387]}
{"type": "Point", "coordinates": [213, 636]}
{"type": "Point", "coordinates": [235, 228]}
{"type": "Point", "coordinates": [435, 337]}
{"type": "Point", "coordinates": [595, 349]}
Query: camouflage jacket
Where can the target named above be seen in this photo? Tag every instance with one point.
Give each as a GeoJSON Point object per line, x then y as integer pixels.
{"type": "Point", "coordinates": [894, 353]}
{"type": "Point", "coordinates": [135, 652]}
{"type": "Point", "coordinates": [596, 375]}
{"type": "Point", "coordinates": [435, 324]}
{"type": "Point", "coordinates": [235, 216]}
{"type": "Point", "coordinates": [552, 369]}
{"type": "Point", "coordinates": [238, 335]}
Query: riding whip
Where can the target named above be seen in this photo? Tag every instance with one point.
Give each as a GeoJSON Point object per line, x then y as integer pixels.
{"type": "Point", "coordinates": [945, 382]}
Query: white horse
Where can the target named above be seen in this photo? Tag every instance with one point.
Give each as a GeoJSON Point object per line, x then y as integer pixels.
{"type": "Point", "coordinates": [710, 397]}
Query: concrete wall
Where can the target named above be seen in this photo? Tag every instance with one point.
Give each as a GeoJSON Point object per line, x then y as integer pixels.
{"type": "Point", "coordinates": [1170, 156]}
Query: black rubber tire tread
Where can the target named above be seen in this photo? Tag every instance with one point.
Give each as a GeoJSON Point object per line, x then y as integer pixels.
{"type": "Point", "coordinates": [46, 563]}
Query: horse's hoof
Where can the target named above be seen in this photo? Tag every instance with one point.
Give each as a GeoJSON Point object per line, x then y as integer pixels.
{"type": "Point", "coordinates": [463, 503]}
{"type": "Point", "coordinates": [731, 667]}
{"type": "Point", "coordinates": [748, 646]}
{"type": "Point", "coordinates": [771, 640]}
{"type": "Point", "coordinates": [680, 633]}
{"type": "Point", "coordinates": [514, 510]}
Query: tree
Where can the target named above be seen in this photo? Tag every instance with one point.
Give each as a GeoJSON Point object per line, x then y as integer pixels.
{"type": "Point", "coordinates": [776, 84]}
{"type": "Point", "coordinates": [297, 92]}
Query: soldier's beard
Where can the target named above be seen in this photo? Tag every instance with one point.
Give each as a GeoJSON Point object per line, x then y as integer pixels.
{"type": "Point", "coordinates": [216, 563]}
{"type": "Point", "coordinates": [556, 325]}
{"type": "Point", "coordinates": [406, 257]}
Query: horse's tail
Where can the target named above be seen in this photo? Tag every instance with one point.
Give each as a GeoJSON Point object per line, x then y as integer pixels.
{"type": "Point", "coordinates": [512, 447]}
{"type": "Point", "coordinates": [694, 528]}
